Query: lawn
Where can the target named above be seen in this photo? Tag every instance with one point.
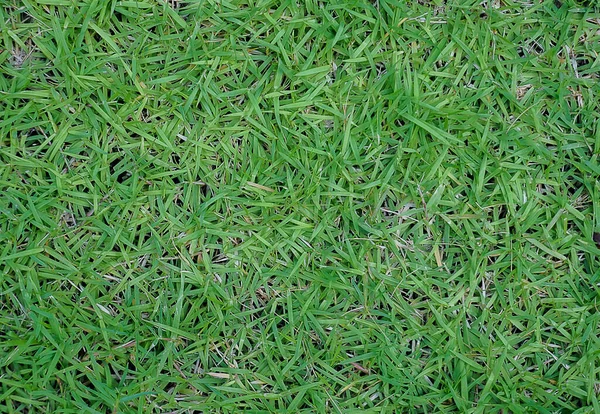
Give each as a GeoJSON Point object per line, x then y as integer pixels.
{"type": "Point", "coordinates": [214, 206]}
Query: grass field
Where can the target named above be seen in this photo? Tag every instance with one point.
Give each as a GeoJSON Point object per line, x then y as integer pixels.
{"type": "Point", "coordinates": [299, 206]}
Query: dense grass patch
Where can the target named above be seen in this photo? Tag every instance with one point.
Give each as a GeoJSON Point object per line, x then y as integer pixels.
{"type": "Point", "coordinates": [300, 206]}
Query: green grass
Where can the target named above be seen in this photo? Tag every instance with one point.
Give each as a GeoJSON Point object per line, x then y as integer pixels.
{"type": "Point", "coordinates": [346, 206]}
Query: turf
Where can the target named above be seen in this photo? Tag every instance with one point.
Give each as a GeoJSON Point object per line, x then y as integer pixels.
{"type": "Point", "coordinates": [299, 206]}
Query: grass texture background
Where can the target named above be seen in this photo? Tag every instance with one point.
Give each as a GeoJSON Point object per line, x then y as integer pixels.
{"type": "Point", "coordinates": [299, 206]}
